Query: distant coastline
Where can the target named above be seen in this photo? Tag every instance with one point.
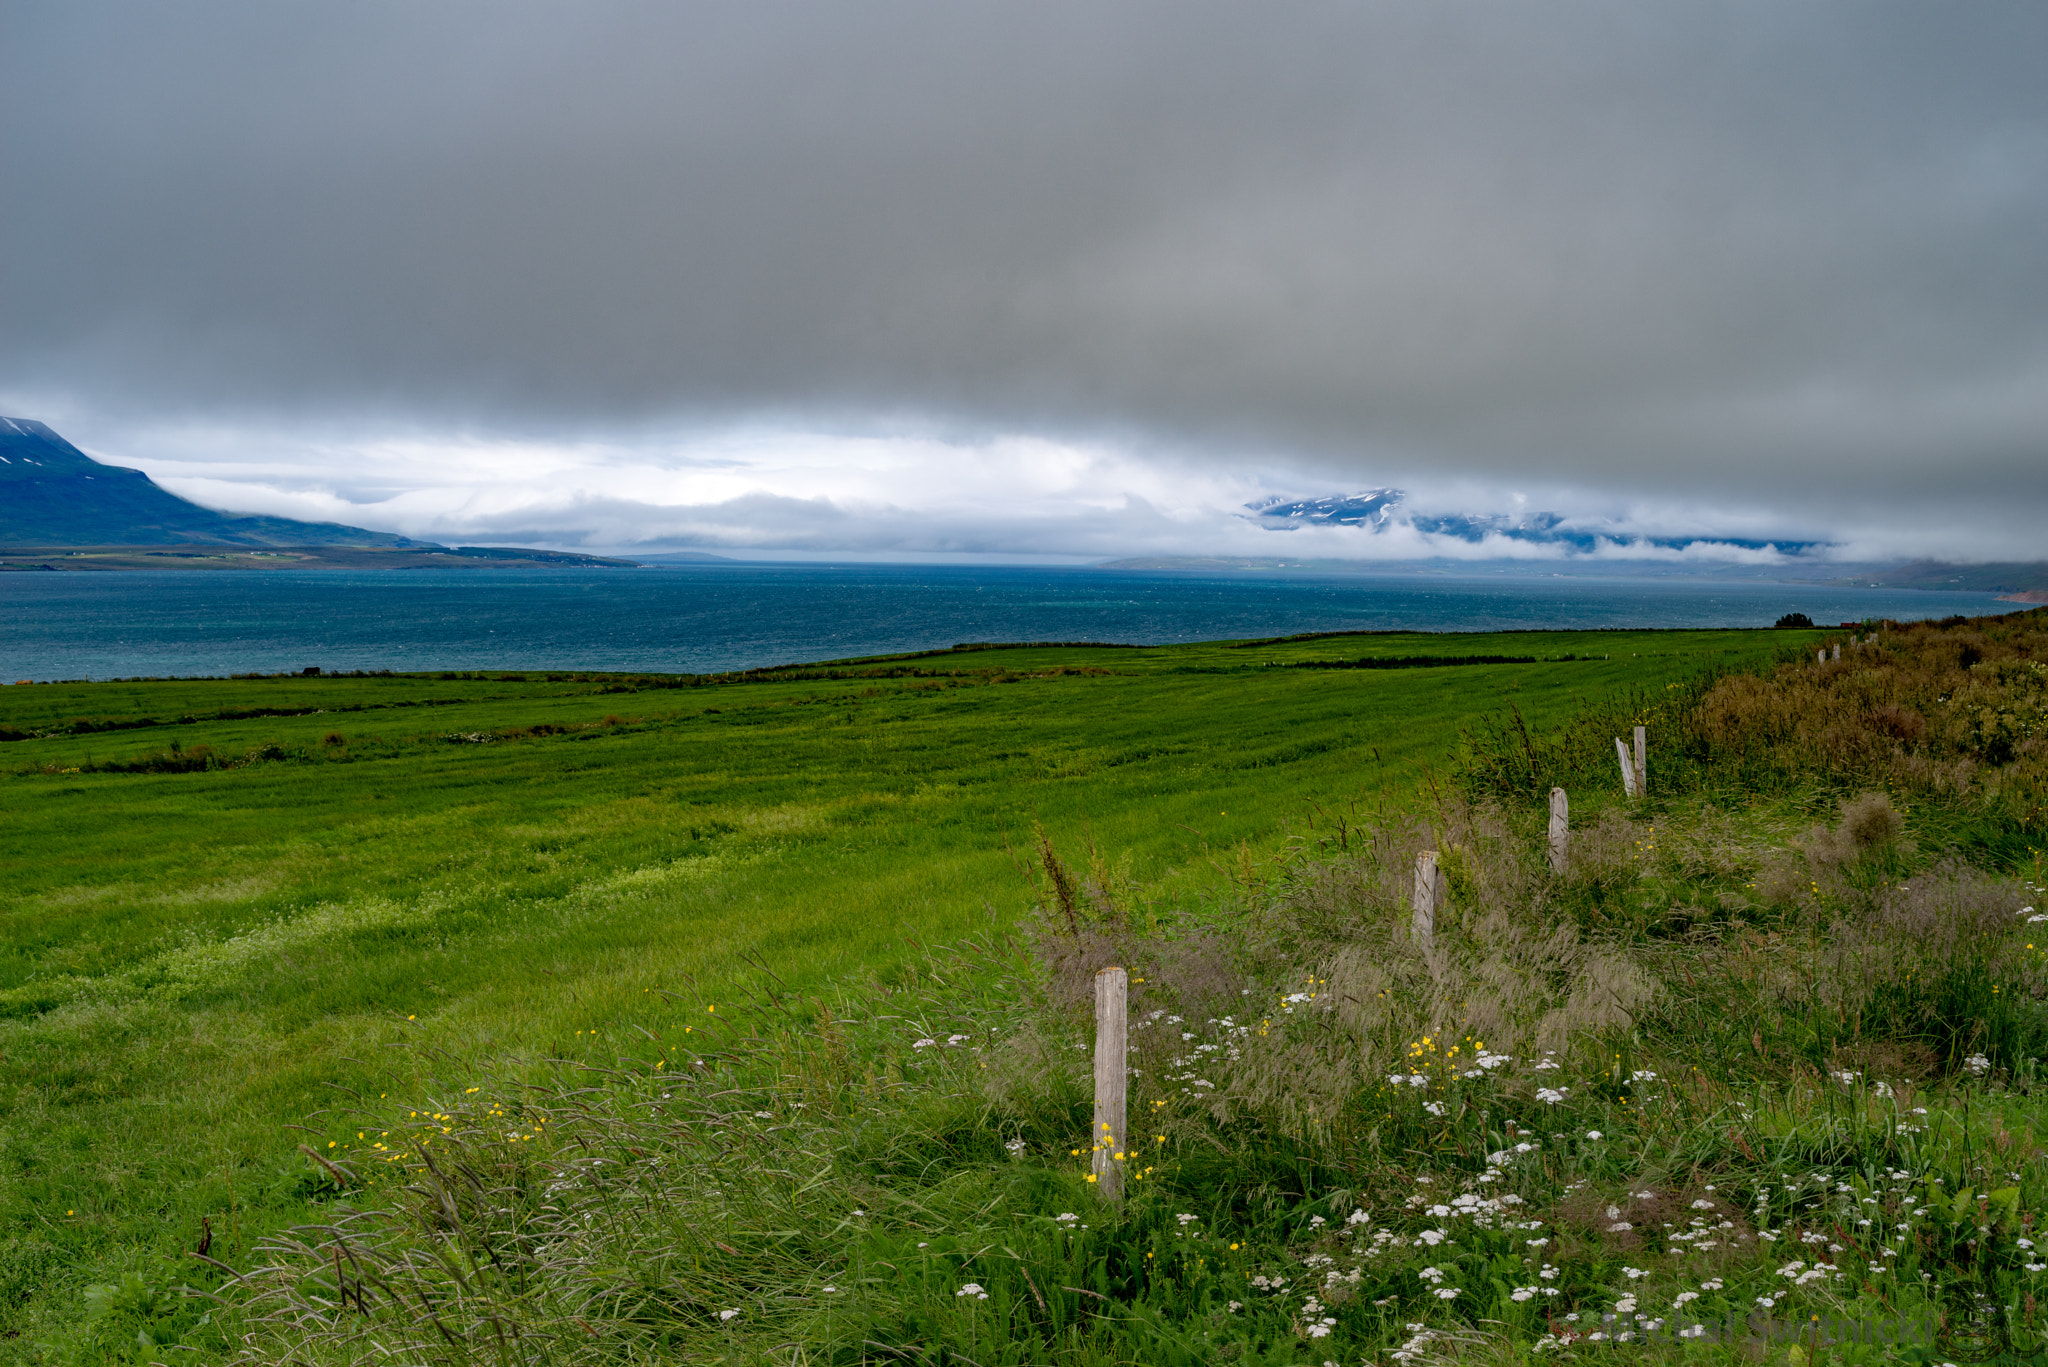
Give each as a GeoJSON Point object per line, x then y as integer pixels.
{"type": "Point", "coordinates": [202, 556]}
{"type": "Point", "coordinates": [2025, 583]}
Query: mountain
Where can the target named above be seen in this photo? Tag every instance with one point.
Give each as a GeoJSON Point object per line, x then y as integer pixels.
{"type": "Point", "coordinates": [53, 494]}
{"type": "Point", "coordinates": [1368, 509]}
{"type": "Point", "coordinates": [2025, 580]}
{"type": "Point", "coordinates": [1379, 510]}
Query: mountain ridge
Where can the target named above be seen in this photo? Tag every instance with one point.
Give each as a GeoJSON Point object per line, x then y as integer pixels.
{"type": "Point", "coordinates": [53, 494]}
{"type": "Point", "coordinates": [1375, 511]}
{"type": "Point", "coordinates": [2016, 581]}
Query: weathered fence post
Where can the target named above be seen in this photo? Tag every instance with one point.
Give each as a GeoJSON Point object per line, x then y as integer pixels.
{"type": "Point", "coordinates": [1838, 650]}
{"type": "Point", "coordinates": [1112, 1044]}
{"type": "Point", "coordinates": [1642, 762]}
{"type": "Point", "coordinates": [1427, 880]}
{"type": "Point", "coordinates": [1820, 656]}
{"type": "Point", "coordinates": [1628, 767]}
{"type": "Point", "coordinates": [1560, 829]}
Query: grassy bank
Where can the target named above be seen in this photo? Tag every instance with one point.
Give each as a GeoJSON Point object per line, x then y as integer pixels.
{"type": "Point", "coordinates": [226, 899]}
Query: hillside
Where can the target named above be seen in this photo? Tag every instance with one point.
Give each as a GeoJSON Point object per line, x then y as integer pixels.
{"type": "Point", "coordinates": [53, 494]}
{"type": "Point", "coordinates": [2024, 581]}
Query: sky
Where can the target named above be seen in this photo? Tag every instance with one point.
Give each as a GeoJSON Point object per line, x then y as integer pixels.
{"type": "Point", "coordinates": [1048, 280]}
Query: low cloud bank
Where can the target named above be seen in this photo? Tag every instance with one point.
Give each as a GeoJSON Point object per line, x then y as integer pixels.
{"type": "Point", "coordinates": [762, 489]}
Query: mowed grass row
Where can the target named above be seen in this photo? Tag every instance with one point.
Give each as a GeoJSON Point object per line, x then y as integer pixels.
{"type": "Point", "coordinates": [194, 962]}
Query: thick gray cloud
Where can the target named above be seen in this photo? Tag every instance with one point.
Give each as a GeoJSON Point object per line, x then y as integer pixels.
{"type": "Point", "coordinates": [1783, 257]}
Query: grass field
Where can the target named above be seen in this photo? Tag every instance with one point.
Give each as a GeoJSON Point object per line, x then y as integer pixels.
{"type": "Point", "coordinates": [1751, 1071]}
{"type": "Point", "coordinates": [296, 872]}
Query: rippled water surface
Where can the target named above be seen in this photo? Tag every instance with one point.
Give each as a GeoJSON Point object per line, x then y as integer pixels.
{"type": "Point", "coordinates": [704, 618]}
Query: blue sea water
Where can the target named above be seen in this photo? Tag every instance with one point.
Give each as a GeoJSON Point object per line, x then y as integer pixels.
{"type": "Point", "coordinates": [708, 618]}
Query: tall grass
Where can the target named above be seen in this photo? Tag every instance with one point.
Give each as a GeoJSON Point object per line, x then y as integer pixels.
{"type": "Point", "coordinates": [1951, 714]}
{"type": "Point", "coordinates": [1611, 1101]}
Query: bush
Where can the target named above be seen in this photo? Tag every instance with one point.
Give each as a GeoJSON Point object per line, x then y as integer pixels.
{"type": "Point", "coordinates": [1954, 715]}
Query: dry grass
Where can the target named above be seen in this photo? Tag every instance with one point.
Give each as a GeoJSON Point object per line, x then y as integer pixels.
{"type": "Point", "coordinates": [1952, 713]}
{"type": "Point", "coordinates": [1701, 934]}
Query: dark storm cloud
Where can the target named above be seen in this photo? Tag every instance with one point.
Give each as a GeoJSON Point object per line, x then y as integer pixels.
{"type": "Point", "coordinates": [1777, 254]}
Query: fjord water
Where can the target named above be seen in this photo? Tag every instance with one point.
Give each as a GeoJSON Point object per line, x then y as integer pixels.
{"type": "Point", "coordinates": [699, 619]}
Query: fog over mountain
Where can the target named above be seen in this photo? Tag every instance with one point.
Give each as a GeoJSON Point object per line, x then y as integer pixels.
{"type": "Point", "coordinates": [1576, 279]}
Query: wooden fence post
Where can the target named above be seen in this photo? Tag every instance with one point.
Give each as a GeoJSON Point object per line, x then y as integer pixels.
{"type": "Point", "coordinates": [1560, 829]}
{"type": "Point", "coordinates": [1642, 762]}
{"type": "Point", "coordinates": [1628, 767]}
{"type": "Point", "coordinates": [1112, 1046]}
{"type": "Point", "coordinates": [1427, 881]}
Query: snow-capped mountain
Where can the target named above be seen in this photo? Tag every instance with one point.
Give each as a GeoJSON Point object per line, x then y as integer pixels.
{"type": "Point", "coordinates": [1371, 508]}
{"type": "Point", "coordinates": [1376, 511]}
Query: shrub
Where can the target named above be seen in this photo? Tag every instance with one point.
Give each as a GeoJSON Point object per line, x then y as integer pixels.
{"type": "Point", "coordinates": [1869, 822]}
{"type": "Point", "coordinates": [1955, 714]}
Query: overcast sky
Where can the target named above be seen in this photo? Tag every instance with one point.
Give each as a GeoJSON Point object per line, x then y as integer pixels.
{"type": "Point", "coordinates": [1075, 279]}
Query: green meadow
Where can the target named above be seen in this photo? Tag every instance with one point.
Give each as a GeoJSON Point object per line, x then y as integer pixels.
{"type": "Point", "coordinates": [226, 899]}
